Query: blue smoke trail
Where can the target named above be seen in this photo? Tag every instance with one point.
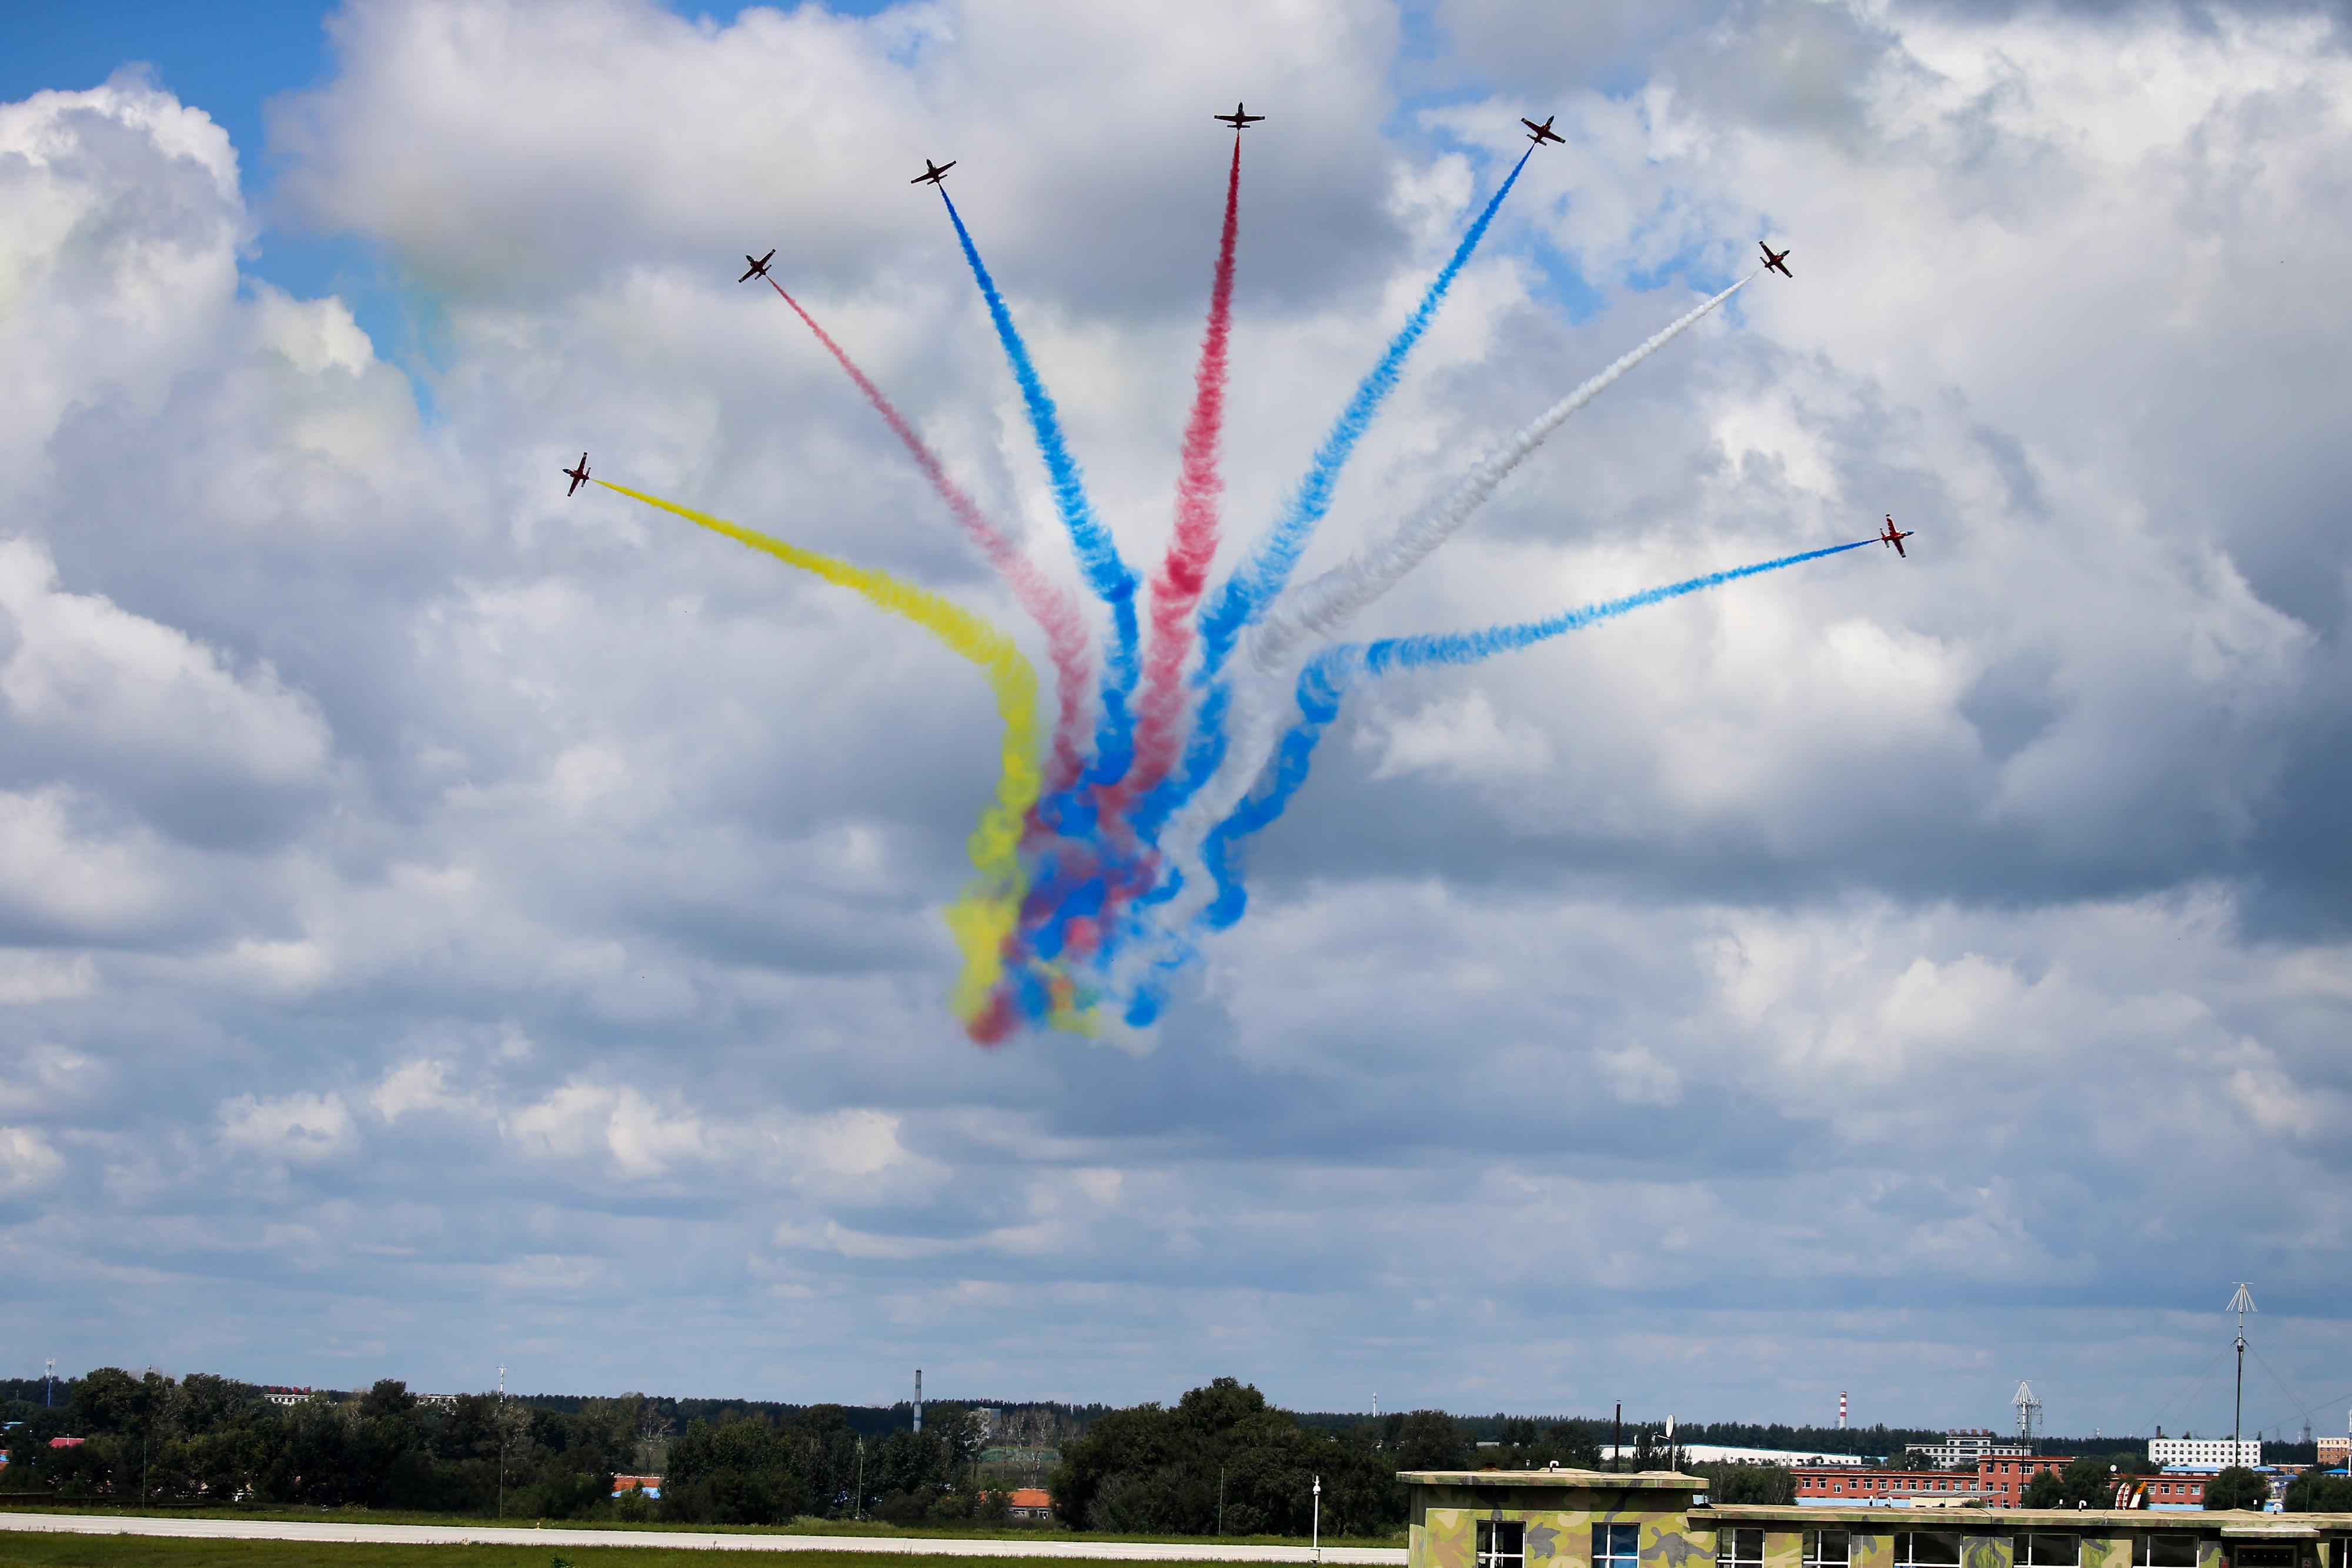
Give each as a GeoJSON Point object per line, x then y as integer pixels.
{"type": "Point", "coordinates": [1275, 554]}
{"type": "Point", "coordinates": [1329, 676]}
{"type": "Point", "coordinates": [1111, 578]}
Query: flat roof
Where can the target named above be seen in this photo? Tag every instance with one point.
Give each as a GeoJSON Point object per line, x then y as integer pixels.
{"type": "Point", "coordinates": [1650, 1480]}
{"type": "Point", "coordinates": [2236, 1524]}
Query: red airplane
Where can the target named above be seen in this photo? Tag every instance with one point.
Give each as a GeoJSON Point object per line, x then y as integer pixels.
{"type": "Point", "coordinates": [578, 476]}
{"type": "Point", "coordinates": [1237, 120]}
{"type": "Point", "coordinates": [932, 173]}
{"type": "Point", "coordinates": [1891, 536]}
{"type": "Point", "coordinates": [759, 267]}
{"type": "Point", "coordinates": [1539, 134]}
{"type": "Point", "coordinates": [1773, 259]}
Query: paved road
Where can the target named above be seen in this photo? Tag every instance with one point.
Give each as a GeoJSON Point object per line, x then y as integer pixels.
{"type": "Point", "coordinates": [508, 1535]}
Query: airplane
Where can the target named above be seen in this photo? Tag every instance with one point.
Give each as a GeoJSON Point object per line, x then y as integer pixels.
{"type": "Point", "coordinates": [1891, 536]}
{"type": "Point", "coordinates": [759, 267]}
{"type": "Point", "coordinates": [1773, 259]}
{"type": "Point", "coordinates": [1539, 134]}
{"type": "Point", "coordinates": [1237, 120]}
{"type": "Point", "coordinates": [578, 476]}
{"type": "Point", "coordinates": [932, 173]}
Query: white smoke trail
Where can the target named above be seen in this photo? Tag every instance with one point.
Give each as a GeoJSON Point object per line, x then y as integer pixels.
{"type": "Point", "coordinates": [1316, 608]}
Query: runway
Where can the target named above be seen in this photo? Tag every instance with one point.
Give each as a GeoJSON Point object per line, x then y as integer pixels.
{"type": "Point", "coordinates": [679, 1541]}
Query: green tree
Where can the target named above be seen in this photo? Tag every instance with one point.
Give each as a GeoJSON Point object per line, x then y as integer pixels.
{"type": "Point", "coordinates": [2315, 1491]}
{"type": "Point", "coordinates": [739, 1472]}
{"type": "Point", "coordinates": [2047, 1490]}
{"type": "Point", "coordinates": [1430, 1440]}
{"type": "Point", "coordinates": [107, 1401]}
{"type": "Point", "coordinates": [1224, 1458]}
{"type": "Point", "coordinates": [2236, 1487]}
{"type": "Point", "coordinates": [2087, 1482]}
{"type": "Point", "coordinates": [1731, 1484]}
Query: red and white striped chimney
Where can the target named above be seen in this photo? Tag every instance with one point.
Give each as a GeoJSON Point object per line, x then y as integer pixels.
{"type": "Point", "coordinates": [1841, 1409]}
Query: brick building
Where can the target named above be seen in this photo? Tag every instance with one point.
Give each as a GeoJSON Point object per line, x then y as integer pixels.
{"type": "Point", "coordinates": [2004, 1480]}
{"type": "Point", "coordinates": [1826, 1484]}
{"type": "Point", "coordinates": [2176, 1489]}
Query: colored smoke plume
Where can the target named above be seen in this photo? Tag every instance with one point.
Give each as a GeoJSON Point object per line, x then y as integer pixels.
{"type": "Point", "coordinates": [1092, 887]}
{"type": "Point", "coordinates": [1330, 675]}
{"type": "Point", "coordinates": [984, 916]}
{"type": "Point", "coordinates": [1049, 604]}
{"type": "Point", "coordinates": [1324, 605]}
{"type": "Point", "coordinates": [1110, 578]}
{"type": "Point", "coordinates": [1176, 589]}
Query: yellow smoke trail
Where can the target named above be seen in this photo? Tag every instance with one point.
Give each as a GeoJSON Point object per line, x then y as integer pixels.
{"type": "Point", "coordinates": [985, 915]}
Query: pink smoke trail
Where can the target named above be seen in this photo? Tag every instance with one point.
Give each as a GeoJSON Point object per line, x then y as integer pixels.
{"type": "Point", "coordinates": [1053, 607]}
{"type": "Point", "coordinates": [1176, 589]}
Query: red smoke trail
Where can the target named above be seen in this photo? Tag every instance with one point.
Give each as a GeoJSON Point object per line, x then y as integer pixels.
{"type": "Point", "coordinates": [1053, 607]}
{"type": "Point", "coordinates": [1176, 589]}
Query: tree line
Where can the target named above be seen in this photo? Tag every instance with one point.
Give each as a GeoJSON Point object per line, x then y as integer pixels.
{"type": "Point", "coordinates": [1223, 1460]}
{"type": "Point", "coordinates": [202, 1439]}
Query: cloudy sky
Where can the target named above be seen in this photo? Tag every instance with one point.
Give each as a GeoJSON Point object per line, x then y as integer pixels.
{"type": "Point", "coordinates": [448, 924]}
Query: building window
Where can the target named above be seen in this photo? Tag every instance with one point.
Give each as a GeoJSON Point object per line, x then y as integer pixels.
{"type": "Point", "coordinates": [2050, 1552]}
{"type": "Point", "coordinates": [2165, 1552]}
{"type": "Point", "coordinates": [1927, 1548]}
{"type": "Point", "coordinates": [1825, 1549]}
{"type": "Point", "coordinates": [1739, 1548]}
{"type": "Point", "coordinates": [1616, 1546]}
{"type": "Point", "coordinates": [1502, 1543]}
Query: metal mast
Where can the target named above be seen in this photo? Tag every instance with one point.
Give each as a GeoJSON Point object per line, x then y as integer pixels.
{"type": "Point", "coordinates": [2028, 1411]}
{"type": "Point", "coordinates": [2241, 1303]}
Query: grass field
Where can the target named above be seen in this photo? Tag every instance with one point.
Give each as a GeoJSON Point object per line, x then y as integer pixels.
{"type": "Point", "coordinates": [19, 1548]}
{"type": "Point", "coordinates": [798, 1527]}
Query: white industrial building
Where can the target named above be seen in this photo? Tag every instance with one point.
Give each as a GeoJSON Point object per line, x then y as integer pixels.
{"type": "Point", "coordinates": [1717, 1454]}
{"type": "Point", "coordinates": [2219, 1452]}
{"type": "Point", "coordinates": [1967, 1448]}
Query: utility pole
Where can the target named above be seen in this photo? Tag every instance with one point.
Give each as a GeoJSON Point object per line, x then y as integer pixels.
{"type": "Point", "coordinates": [1315, 1540]}
{"type": "Point", "coordinates": [2241, 1303]}
{"type": "Point", "coordinates": [861, 1475]}
{"type": "Point", "coordinates": [1616, 1437]}
{"type": "Point", "coordinates": [49, 1384]}
{"type": "Point", "coordinates": [502, 1442]}
{"type": "Point", "coordinates": [1221, 1502]}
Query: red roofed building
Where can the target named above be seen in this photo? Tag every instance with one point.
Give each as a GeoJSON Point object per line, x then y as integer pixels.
{"type": "Point", "coordinates": [1029, 1502]}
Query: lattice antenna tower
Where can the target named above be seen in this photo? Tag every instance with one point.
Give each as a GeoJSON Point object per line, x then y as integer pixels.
{"type": "Point", "coordinates": [2029, 1413]}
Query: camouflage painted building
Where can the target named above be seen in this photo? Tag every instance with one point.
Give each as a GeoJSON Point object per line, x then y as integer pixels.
{"type": "Point", "coordinates": [1657, 1518]}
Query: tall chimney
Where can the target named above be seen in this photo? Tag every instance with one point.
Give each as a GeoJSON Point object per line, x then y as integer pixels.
{"type": "Point", "coordinates": [1841, 1409]}
{"type": "Point", "coordinates": [919, 1399]}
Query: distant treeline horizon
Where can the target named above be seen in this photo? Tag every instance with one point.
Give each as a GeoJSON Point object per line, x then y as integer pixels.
{"type": "Point", "coordinates": [1878, 1440]}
